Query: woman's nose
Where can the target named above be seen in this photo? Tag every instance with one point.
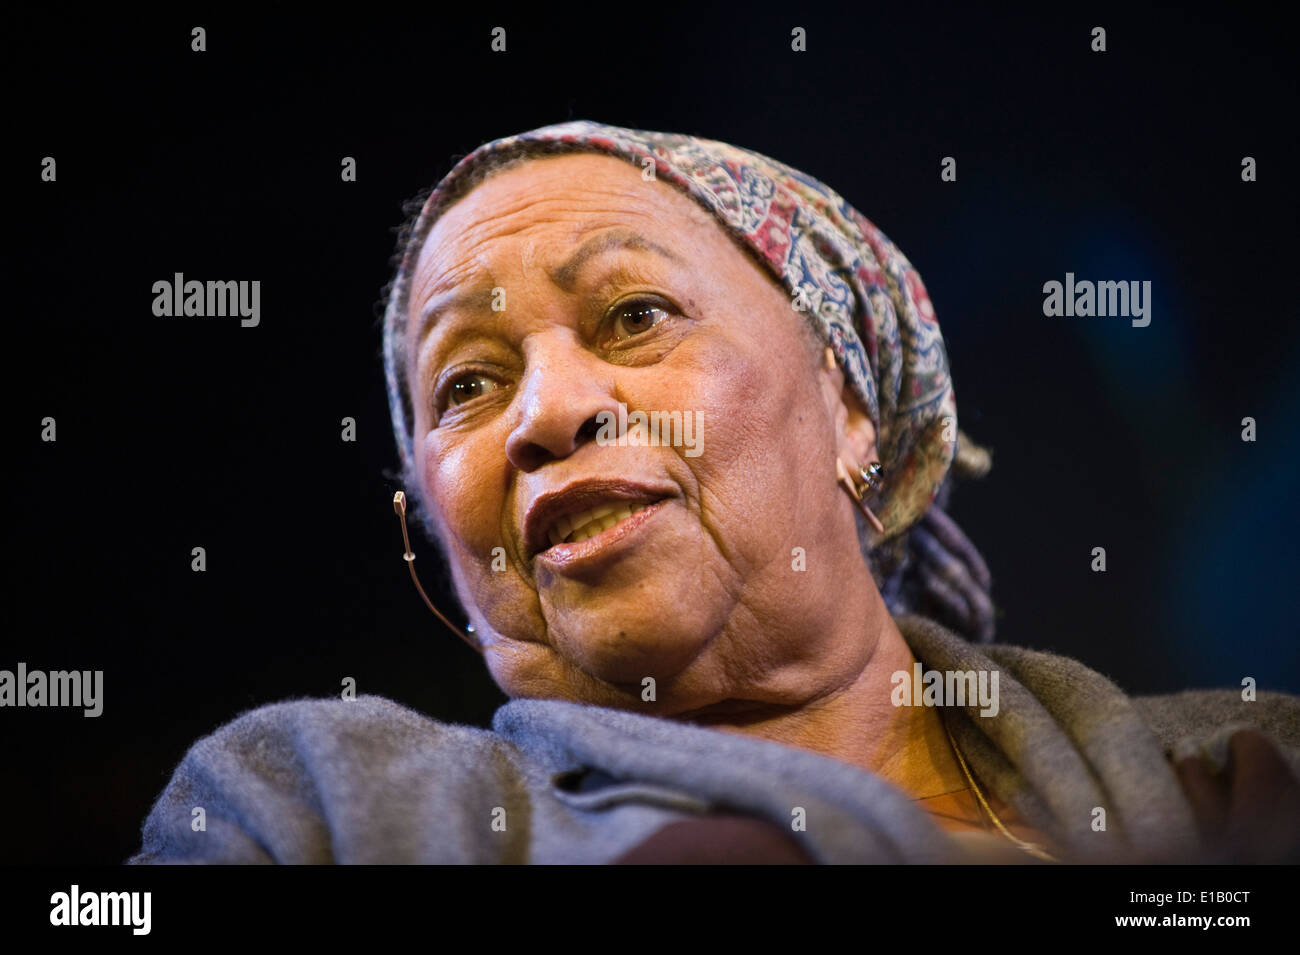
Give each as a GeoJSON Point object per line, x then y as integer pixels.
{"type": "Point", "coordinates": [563, 390]}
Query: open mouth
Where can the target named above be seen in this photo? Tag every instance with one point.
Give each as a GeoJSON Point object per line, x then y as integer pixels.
{"type": "Point", "coordinates": [578, 527]}
{"type": "Point", "coordinates": [602, 507]}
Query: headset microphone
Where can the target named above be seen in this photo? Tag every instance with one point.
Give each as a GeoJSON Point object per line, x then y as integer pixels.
{"type": "Point", "coordinates": [399, 505]}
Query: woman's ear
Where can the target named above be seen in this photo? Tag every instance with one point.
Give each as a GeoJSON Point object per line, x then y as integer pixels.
{"type": "Point", "coordinates": [855, 435]}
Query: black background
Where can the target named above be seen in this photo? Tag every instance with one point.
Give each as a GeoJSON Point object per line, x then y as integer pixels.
{"type": "Point", "coordinates": [176, 433]}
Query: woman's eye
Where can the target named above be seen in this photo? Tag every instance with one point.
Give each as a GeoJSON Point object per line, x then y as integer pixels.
{"type": "Point", "coordinates": [468, 387]}
{"type": "Point", "coordinates": [633, 318]}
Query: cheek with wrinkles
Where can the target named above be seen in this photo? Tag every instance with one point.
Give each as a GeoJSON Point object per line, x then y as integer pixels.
{"type": "Point", "coordinates": [468, 495]}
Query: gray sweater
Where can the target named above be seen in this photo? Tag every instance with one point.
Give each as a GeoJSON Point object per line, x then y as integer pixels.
{"type": "Point", "coordinates": [368, 780]}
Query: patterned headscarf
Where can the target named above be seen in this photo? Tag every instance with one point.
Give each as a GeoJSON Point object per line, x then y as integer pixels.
{"type": "Point", "coordinates": [859, 291]}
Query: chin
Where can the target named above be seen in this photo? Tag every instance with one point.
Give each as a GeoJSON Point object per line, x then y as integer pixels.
{"type": "Point", "coordinates": [624, 641]}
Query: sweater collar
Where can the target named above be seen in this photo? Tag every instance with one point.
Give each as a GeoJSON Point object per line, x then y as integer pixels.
{"type": "Point", "coordinates": [1064, 742]}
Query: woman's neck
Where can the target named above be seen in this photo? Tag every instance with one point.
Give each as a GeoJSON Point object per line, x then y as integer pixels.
{"type": "Point", "coordinates": [858, 724]}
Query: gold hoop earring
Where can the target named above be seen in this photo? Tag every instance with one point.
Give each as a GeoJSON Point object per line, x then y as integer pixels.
{"type": "Point", "coordinates": [871, 481]}
{"type": "Point", "coordinates": [872, 475]}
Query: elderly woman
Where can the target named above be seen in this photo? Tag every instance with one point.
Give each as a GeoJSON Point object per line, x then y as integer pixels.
{"type": "Point", "coordinates": [682, 422]}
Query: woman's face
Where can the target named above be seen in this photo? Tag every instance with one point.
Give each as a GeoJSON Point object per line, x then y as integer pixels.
{"type": "Point", "coordinates": [551, 293]}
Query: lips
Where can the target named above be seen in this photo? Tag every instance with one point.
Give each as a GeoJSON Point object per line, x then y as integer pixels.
{"type": "Point", "coordinates": [584, 509]}
{"type": "Point", "coordinates": [578, 527]}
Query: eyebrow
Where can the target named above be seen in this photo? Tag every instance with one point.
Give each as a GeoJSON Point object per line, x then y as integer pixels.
{"type": "Point", "coordinates": [565, 276]}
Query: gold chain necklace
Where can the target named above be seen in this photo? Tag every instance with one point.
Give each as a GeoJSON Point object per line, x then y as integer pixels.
{"type": "Point", "coordinates": [1030, 847]}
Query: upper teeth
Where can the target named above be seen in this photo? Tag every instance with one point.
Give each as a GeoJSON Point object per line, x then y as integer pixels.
{"type": "Point", "coordinates": [578, 527]}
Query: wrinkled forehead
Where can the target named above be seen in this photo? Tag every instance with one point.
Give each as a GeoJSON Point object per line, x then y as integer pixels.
{"type": "Point", "coordinates": [564, 198]}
